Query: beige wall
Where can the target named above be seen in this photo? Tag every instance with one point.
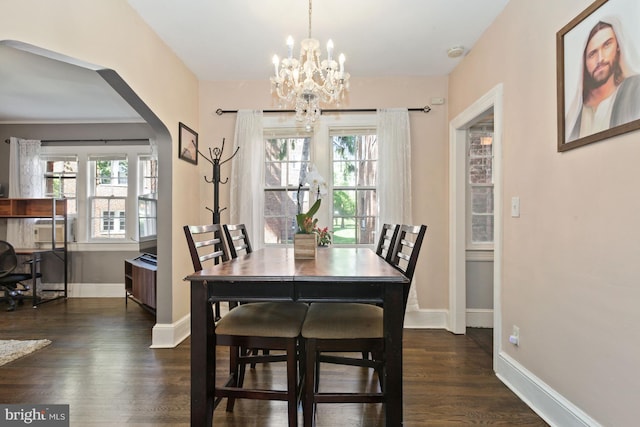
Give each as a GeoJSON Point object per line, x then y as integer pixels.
{"type": "Point", "coordinates": [429, 156]}
{"type": "Point", "coordinates": [570, 266]}
{"type": "Point", "coordinates": [110, 34]}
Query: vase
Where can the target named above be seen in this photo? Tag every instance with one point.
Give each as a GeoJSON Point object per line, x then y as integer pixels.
{"type": "Point", "coordinates": [305, 246]}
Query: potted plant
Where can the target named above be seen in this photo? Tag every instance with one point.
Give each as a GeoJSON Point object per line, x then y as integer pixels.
{"type": "Point", "coordinates": [324, 236]}
{"type": "Point", "coordinates": [305, 240]}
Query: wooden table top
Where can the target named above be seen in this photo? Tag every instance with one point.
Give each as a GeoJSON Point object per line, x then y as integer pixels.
{"type": "Point", "coordinates": [279, 264]}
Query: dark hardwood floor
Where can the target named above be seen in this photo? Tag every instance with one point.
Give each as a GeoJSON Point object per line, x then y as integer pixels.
{"type": "Point", "coordinates": [101, 365]}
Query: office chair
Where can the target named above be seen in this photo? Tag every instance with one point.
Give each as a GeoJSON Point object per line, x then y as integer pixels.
{"type": "Point", "coordinates": [10, 282]}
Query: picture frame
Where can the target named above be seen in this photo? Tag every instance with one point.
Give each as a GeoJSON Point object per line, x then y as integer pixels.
{"type": "Point", "coordinates": [187, 144]}
{"type": "Point", "coordinates": [596, 84]}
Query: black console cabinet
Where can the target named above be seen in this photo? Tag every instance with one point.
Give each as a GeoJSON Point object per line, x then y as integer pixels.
{"type": "Point", "coordinates": [140, 280]}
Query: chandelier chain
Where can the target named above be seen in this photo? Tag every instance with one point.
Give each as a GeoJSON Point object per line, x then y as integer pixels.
{"type": "Point", "coordinates": [310, 18]}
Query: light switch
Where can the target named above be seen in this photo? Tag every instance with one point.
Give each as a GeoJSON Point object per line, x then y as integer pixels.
{"type": "Point", "coordinates": [515, 207]}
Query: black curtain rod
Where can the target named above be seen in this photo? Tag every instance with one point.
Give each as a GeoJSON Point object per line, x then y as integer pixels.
{"type": "Point", "coordinates": [424, 109]}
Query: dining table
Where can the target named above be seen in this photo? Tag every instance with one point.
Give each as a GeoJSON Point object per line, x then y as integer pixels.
{"type": "Point", "coordinates": [336, 274]}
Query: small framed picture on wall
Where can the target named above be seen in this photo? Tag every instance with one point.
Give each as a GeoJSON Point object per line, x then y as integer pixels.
{"type": "Point", "coordinates": [188, 144]}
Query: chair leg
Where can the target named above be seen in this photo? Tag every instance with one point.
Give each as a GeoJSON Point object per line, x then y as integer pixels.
{"type": "Point", "coordinates": [309, 382]}
{"type": "Point", "coordinates": [316, 385]}
{"type": "Point", "coordinates": [242, 369]}
{"type": "Point", "coordinates": [292, 383]}
{"type": "Point", "coordinates": [234, 372]}
{"type": "Point", "coordinates": [216, 311]}
{"type": "Point", "coordinates": [377, 356]}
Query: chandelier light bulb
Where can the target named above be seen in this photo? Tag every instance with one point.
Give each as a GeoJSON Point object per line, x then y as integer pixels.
{"type": "Point", "coordinates": [290, 47]}
{"type": "Point", "coordinates": [329, 50]}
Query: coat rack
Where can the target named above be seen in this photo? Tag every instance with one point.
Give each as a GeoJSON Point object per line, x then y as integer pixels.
{"type": "Point", "coordinates": [214, 158]}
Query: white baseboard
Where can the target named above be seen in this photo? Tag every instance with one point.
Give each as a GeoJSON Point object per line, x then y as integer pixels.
{"type": "Point", "coordinates": [95, 290]}
{"type": "Point", "coordinates": [546, 402]}
{"type": "Point", "coordinates": [479, 318]}
{"type": "Point", "coordinates": [169, 335]}
{"type": "Point", "coordinates": [426, 319]}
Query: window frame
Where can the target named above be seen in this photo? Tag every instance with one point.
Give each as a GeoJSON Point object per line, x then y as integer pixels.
{"type": "Point", "coordinates": [83, 202]}
{"type": "Point", "coordinates": [320, 154]}
{"type": "Point", "coordinates": [471, 245]}
{"type": "Point", "coordinates": [92, 197]}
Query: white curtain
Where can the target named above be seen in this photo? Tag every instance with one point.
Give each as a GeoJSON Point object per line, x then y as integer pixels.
{"type": "Point", "coordinates": [394, 174]}
{"type": "Point", "coordinates": [247, 176]}
{"type": "Point", "coordinates": [25, 181]}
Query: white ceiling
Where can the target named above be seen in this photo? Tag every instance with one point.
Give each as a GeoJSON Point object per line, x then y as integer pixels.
{"type": "Point", "coordinates": [45, 88]}
{"type": "Point", "coordinates": [236, 39]}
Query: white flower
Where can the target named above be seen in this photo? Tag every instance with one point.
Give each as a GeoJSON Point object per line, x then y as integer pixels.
{"type": "Point", "coordinates": [317, 184]}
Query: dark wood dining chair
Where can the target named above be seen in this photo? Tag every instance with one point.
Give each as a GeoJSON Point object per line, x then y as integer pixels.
{"type": "Point", "coordinates": [353, 327]}
{"type": "Point", "coordinates": [237, 239]}
{"type": "Point", "coordinates": [246, 326]}
{"type": "Point", "coordinates": [388, 233]}
{"type": "Point", "coordinates": [239, 243]}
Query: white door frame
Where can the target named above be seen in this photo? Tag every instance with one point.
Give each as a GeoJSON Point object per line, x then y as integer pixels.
{"type": "Point", "coordinates": [457, 211]}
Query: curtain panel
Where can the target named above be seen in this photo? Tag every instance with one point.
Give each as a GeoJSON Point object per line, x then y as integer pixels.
{"type": "Point", "coordinates": [247, 172]}
{"type": "Point", "coordinates": [25, 181]}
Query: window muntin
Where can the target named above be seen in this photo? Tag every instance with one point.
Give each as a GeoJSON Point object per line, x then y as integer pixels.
{"type": "Point", "coordinates": [113, 222]}
{"type": "Point", "coordinates": [148, 172]}
{"type": "Point", "coordinates": [148, 198]}
{"type": "Point", "coordinates": [108, 196]}
{"type": "Point", "coordinates": [480, 218]}
{"type": "Point", "coordinates": [287, 157]}
{"type": "Point", "coordinates": [320, 155]}
{"type": "Point", "coordinates": [60, 179]}
{"type": "Point", "coordinates": [143, 179]}
{"type": "Point", "coordinates": [354, 177]}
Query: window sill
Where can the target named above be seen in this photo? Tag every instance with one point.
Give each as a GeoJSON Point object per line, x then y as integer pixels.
{"type": "Point", "coordinates": [485, 255]}
{"type": "Point", "coordinates": [103, 247]}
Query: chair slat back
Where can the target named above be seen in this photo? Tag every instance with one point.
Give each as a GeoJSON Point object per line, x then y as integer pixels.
{"type": "Point", "coordinates": [237, 239]}
{"type": "Point", "coordinates": [405, 252]}
{"type": "Point", "coordinates": [386, 241]}
{"type": "Point", "coordinates": [205, 243]}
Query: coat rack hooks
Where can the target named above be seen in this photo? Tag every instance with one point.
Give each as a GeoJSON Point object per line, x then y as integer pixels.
{"type": "Point", "coordinates": [214, 158]}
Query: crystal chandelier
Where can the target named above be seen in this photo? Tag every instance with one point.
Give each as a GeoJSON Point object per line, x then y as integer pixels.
{"type": "Point", "coordinates": [306, 82]}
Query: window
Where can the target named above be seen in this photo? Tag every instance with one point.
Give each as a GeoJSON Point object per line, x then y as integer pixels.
{"type": "Point", "coordinates": [148, 199]}
{"type": "Point", "coordinates": [480, 188]}
{"type": "Point", "coordinates": [345, 153]}
{"type": "Point", "coordinates": [60, 179]}
{"type": "Point", "coordinates": [355, 206]}
{"type": "Point", "coordinates": [287, 158]}
{"type": "Point", "coordinates": [112, 190]}
{"type": "Point", "coordinates": [148, 182]}
{"type": "Point", "coordinates": [113, 221]}
{"type": "Point", "coordinates": [108, 195]}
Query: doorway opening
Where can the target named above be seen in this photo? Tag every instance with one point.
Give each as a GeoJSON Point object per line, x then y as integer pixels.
{"type": "Point", "coordinates": [459, 127]}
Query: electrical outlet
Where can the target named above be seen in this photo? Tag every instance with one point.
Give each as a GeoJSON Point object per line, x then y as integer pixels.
{"type": "Point", "coordinates": [514, 338]}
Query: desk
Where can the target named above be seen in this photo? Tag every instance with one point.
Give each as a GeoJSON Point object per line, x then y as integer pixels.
{"type": "Point", "coordinates": [272, 274]}
{"type": "Point", "coordinates": [54, 210]}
